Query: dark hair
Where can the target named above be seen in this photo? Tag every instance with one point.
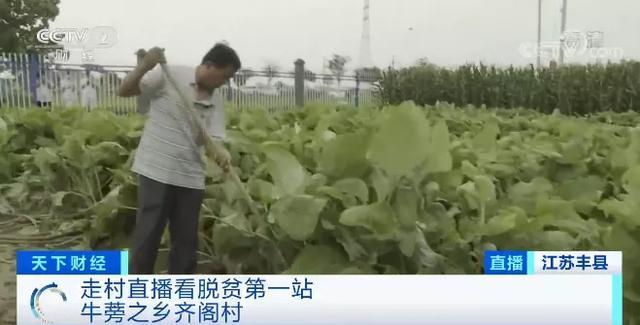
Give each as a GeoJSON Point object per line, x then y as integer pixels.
{"type": "Point", "coordinates": [222, 56]}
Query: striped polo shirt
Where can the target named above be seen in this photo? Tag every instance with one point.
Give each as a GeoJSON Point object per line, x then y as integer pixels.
{"type": "Point", "coordinates": [169, 151]}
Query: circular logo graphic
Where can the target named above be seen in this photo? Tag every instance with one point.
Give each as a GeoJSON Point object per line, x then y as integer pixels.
{"type": "Point", "coordinates": [574, 42]}
{"type": "Point", "coordinates": [101, 37]}
{"type": "Point", "coordinates": [36, 308]}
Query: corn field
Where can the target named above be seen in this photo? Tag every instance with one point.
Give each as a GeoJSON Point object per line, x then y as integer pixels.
{"type": "Point", "coordinates": [573, 89]}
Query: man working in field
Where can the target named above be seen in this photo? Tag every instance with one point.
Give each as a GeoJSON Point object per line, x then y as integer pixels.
{"type": "Point", "coordinates": [168, 160]}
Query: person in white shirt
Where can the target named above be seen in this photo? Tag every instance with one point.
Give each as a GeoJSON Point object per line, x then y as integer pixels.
{"type": "Point", "coordinates": [43, 95]}
{"type": "Point", "coordinates": [69, 96]}
{"type": "Point", "coordinates": [89, 96]}
{"type": "Point", "coordinates": [168, 160]}
{"type": "Point", "coordinates": [66, 80]}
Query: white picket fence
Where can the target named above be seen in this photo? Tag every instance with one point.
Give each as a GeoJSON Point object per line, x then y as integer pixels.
{"type": "Point", "coordinates": [68, 85]}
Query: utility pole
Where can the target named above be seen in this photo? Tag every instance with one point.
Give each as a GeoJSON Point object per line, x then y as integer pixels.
{"type": "Point", "coordinates": [563, 28]}
{"type": "Point", "coordinates": [539, 31]}
{"type": "Point", "coordinates": [365, 60]}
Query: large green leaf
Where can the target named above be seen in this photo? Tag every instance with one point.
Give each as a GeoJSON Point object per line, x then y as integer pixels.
{"type": "Point", "coordinates": [479, 192]}
{"type": "Point", "coordinates": [344, 156]}
{"type": "Point", "coordinates": [618, 238]}
{"type": "Point", "coordinates": [102, 127]}
{"type": "Point", "coordinates": [398, 146]}
{"type": "Point", "coordinates": [285, 170]}
{"type": "Point", "coordinates": [631, 181]}
{"type": "Point", "coordinates": [109, 204]}
{"type": "Point", "coordinates": [485, 189]}
{"type": "Point", "coordinates": [233, 233]}
{"type": "Point", "coordinates": [428, 259]}
{"type": "Point", "coordinates": [379, 218]}
{"type": "Point", "coordinates": [105, 211]}
{"type": "Point", "coordinates": [625, 211]}
{"type": "Point", "coordinates": [314, 182]}
{"type": "Point", "coordinates": [584, 192]}
{"type": "Point", "coordinates": [298, 215]}
{"type": "Point", "coordinates": [407, 242]}
{"type": "Point", "coordinates": [438, 156]}
{"type": "Point", "coordinates": [263, 190]}
{"type": "Point", "coordinates": [44, 159]}
{"type": "Point", "coordinates": [527, 194]}
{"type": "Point", "coordinates": [584, 229]}
{"type": "Point", "coordinates": [318, 260]}
{"type": "Point", "coordinates": [73, 149]}
{"type": "Point", "coordinates": [105, 153]}
{"type": "Point", "coordinates": [556, 209]}
{"type": "Point", "coordinates": [469, 170]}
{"type": "Point", "coordinates": [449, 180]}
{"type": "Point", "coordinates": [487, 138]}
{"type": "Point", "coordinates": [485, 142]}
{"type": "Point", "coordinates": [406, 205]}
{"type": "Point", "coordinates": [555, 241]}
{"type": "Point", "coordinates": [353, 188]}
{"type": "Point", "coordinates": [503, 222]}
{"type": "Point", "coordinates": [350, 244]}
{"type": "Point", "coordinates": [382, 184]}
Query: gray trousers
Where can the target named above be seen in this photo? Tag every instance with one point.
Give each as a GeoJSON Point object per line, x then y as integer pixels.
{"type": "Point", "coordinates": [158, 204]}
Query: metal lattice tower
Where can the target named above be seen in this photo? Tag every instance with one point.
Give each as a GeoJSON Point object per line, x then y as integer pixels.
{"type": "Point", "coordinates": [365, 41]}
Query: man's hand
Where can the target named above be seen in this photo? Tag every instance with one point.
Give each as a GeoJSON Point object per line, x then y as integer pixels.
{"type": "Point", "coordinates": [223, 159]}
{"type": "Point", "coordinates": [218, 153]}
{"type": "Point", "coordinates": [151, 58]}
{"type": "Point", "coordinates": [147, 60]}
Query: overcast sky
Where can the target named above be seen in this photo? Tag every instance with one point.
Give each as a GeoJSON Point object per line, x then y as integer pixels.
{"type": "Point", "coordinates": [447, 32]}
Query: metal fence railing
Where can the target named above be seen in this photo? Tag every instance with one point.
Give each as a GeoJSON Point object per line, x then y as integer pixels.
{"type": "Point", "coordinates": [30, 80]}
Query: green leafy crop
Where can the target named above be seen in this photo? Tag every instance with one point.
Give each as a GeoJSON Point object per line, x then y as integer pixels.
{"type": "Point", "coordinates": [401, 189]}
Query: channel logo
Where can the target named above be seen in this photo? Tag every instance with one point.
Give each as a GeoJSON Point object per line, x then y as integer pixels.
{"type": "Point", "coordinates": [36, 307]}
